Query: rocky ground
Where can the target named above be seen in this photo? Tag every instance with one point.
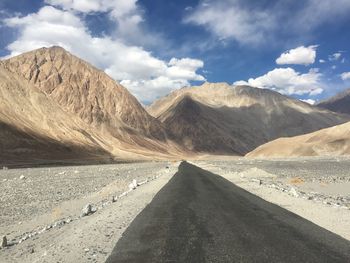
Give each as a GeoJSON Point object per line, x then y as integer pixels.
{"type": "Point", "coordinates": [77, 213]}
{"type": "Point", "coordinates": [73, 214]}
{"type": "Point", "coordinates": [316, 188]}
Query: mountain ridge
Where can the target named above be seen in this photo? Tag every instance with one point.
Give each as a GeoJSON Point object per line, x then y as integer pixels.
{"type": "Point", "coordinates": [241, 117]}
{"type": "Point", "coordinates": [89, 93]}
{"type": "Point", "coordinates": [339, 103]}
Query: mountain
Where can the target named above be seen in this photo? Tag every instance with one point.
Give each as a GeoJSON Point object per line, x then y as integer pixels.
{"type": "Point", "coordinates": [331, 141]}
{"type": "Point", "coordinates": [84, 91]}
{"type": "Point", "coordinates": [223, 119]}
{"type": "Point", "coordinates": [34, 128]}
{"type": "Point", "coordinates": [339, 103]}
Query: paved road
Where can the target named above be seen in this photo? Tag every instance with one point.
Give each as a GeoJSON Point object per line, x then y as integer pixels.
{"type": "Point", "coordinates": [201, 217]}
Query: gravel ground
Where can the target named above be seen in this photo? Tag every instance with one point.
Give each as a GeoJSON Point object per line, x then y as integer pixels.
{"type": "Point", "coordinates": [315, 188]}
{"type": "Point", "coordinates": [41, 209]}
{"type": "Point", "coordinates": [43, 189]}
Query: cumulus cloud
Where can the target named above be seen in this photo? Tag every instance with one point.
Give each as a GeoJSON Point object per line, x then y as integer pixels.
{"type": "Point", "coordinates": [248, 23]}
{"type": "Point", "coordinates": [146, 74]}
{"type": "Point", "coordinates": [322, 61]}
{"type": "Point", "coordinates": [288, 81]}
{"type": "Point", "coordinates": [300, 55]}
{"type": "Point", "coordinates": [345, 76]}
{"type": "Point", "coordinates": [309, 101]}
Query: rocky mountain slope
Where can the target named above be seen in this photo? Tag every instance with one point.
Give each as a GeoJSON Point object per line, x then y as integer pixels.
{"type": "Point", "coordinates": [34, 128]}
{"type": "Point", "coordinates": [339, 103]}
{"type": "Point", "coordinates": [81, 89]}
{"type": "Point", "coordinates": [224, 119]}
{"type": "Point", "coordinates": [331, 141]}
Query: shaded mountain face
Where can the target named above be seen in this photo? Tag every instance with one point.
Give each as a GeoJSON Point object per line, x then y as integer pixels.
{"type": "Point", "coordinates": [81, 89]}
{"type": "Point", "coordinates": [222, 119]}
{"type": "Point", "coordinates": [34, 128]}
{"type": "Point", "coordinates": [330, 141]}
{"type": "Point", "coordinates": [339, 103]}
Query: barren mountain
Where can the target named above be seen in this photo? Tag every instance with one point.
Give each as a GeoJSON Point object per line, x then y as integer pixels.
{"type": "Point", "coordinates": [331, 141]}
{"type": "Point", "coordinates": [89, 93]}
{"type": "Point", "coordinates": [339, 103]}
{"type": "Point", "coordinates": [219, 118]}
{"type": "Point", "coordinates": [34, 128]}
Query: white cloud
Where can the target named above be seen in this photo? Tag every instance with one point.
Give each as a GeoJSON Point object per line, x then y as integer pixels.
{"type": "Point", "coordinates": [345, 75]}
{"type": "Point", "coordinates": [126, 15]}
{"type": "Point", "coordinates": [335, 56]}
{"type": "Point", "coordinates": [309, 101]}
{"type": "Point", "coordinates": [257, 24]}
{"type": "Point", "coordinates": [322, 61]}
{"type": "Point", "coordinates": [119, 7]}
{"type": "Point", "coordinates": [300, 55]}
{"type": "Point", "coordinates": [227, 19]}
{"type": "Point", "coordinates": [288, 81]}
{"type": "Point", "coordinates": [315, 13]}
{"type": "Point", "coordinates": [146, 74]}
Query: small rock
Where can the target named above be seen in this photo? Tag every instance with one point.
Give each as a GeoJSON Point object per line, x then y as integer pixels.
{"type": "Point", "coordinates": [32, 251]}
{"type": "Point", "coordinates": [133, 185]}
{"type": "Point", "coordinates": [294, 192]}
{"type": "Point", "coordinates": [4, 241]}
{"type": "Point", "coordinates": [86, 250]}
{"type": "Point", "coordinates": [114, 199]}
{"type": "Point", "coordinates": [4, 180]}
{"type": "Point", "coordinates": [22, 177]}
{"type": "Point", "coordinates": [88, 210]}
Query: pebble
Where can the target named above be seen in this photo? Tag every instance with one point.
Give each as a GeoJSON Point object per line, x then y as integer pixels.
{"type": "Point", "coordinates": [4, 241]}
{"type": "Point", "coordinates": [22, 177]}
{"type": "Point", "coordinates": [88, 210]}
{"type": "Point", "coordinates": [294, 192]}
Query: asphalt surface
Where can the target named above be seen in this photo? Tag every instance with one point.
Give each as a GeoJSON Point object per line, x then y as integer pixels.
{"type": "Point", "coordinates": [201, 217]}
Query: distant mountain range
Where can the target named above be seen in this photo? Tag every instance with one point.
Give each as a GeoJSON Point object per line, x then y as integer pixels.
{"type": "Point", "coordinates": [339, 103]}
{"type": "Point", "coordinates": [55, 106]}
{"type": "Point", "coordinates": [223, 119]}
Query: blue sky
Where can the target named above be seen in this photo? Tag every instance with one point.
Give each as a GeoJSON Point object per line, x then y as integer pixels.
{"type": "Point", "coordinates": [298, 48]}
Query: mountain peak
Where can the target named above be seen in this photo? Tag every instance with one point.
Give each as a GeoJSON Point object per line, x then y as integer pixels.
{"type": "Point", "coordinates": [87, 92]}
{"type": "Point", "coordinates": [221, 118]}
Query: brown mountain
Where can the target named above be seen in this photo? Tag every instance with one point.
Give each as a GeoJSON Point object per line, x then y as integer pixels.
{"type": "Point", "coordinates": [339, 103]}
{"type": "Point", "coordinates": [34, 129]}
{"type": "Point", "coordinates": [224, 119]}
{"type": "Point", "coordinates": [102, 103]}
{"type": "Point", "coordinates": [331, 141]}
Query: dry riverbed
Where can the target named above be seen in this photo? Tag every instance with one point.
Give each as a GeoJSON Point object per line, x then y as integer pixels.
{"type": "Point", "coordinates": [41, 209]}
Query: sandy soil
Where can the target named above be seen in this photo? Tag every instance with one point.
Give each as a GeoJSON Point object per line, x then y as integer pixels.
{"type": "Point", "coordinates": [314, 188]}
{"type": "Point", "coordinates": [43, 210]}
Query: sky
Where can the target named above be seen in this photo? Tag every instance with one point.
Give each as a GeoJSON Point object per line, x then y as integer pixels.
{"type": "Point", "coordinates": [152, 47]}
